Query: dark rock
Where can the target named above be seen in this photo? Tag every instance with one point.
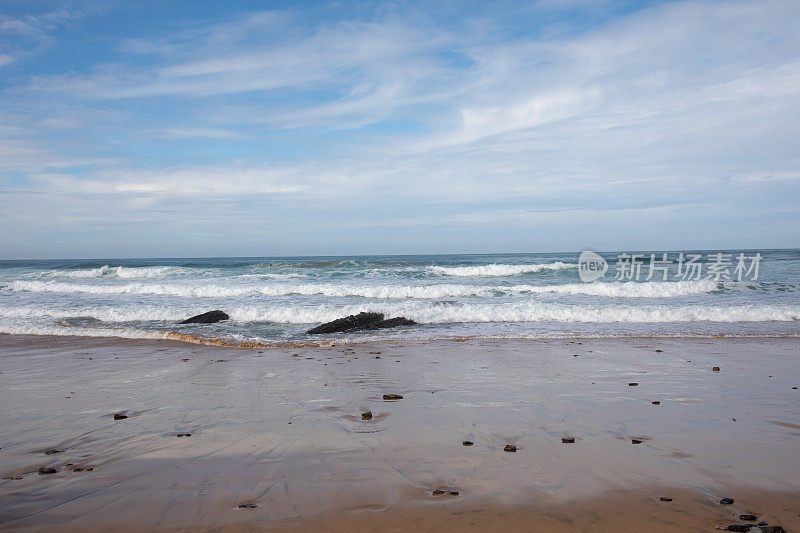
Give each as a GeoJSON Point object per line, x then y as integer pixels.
{"type": "Point", "coordinates": [636, 441]}
{"type": "Point", "coordinates": [772, 529]}
{"type": "Point", "coordinates": [633, 384]}
{"type": "Point", "coordinates": [467, 443]}
{"type": "Point", "coordinates": [762, 523]}
{"type": "Point", "coordinates": [43, 471]}
{"type": "Point", "coordinates": [659, 351]}
{"type": "Point", "coordinates": [748, 517]}
{"type": "Point", "coordinates": [392, 396]}
{"type": "Point", "coordinates": [726, 501]}
{"type": "Point", "coordinates": [391, 323]}
{"type": "Point", "coordinates": [736, 527]}
{"type": "Point", "coordinates": [715, 369]}
{"type": "Point", "coordinates": [361, 321]}
{"type": "Point", "coordinates": [14, 478]}
{"type": "Point", "coordinates": [794, 388]}
{"type": "Point", "coordinates": [438, 492]}
{"type": "Point", "coordinates": [184, 435]}
{"type": "Point", "coordinates": [567, 440]}
{"type": "Point", "coordinates": [77, 469]}
{"type": "Point", "coordinates": [366, 415]}
{"type": "Point", "coordinates": [51, 451]}
{"type": "Point", "coordinates": [207, 318]}
{"type": "Point", "coordinates": [120, 416]}
{"type": "Point", "coordinates": [664, 499]}
{"type": "Point", "coordinates": [247, 506]}
{"type": "Point", "coordinates": [510, 448]}
{"type": "Point", "coordinates": [656, 402]}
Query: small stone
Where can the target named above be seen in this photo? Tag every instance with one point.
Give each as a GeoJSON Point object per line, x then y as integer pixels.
{"type": "Point", "coordinates": [659, 351]}
{"type": "Point", "coordinates": [184, 435]}
{"type": "Point", "coordinates": [366, 415]}
{"type": "Point", "coordinates": [467, 443]}
{"type": "Point", "coordinates": [762, 523]}
{"type": "Point", "coordinates": [664, 499]}
{"type": "Point", "coordinates": [51, 451]}
{"type": "Point", "coordinates": [748, 517]}
{"type": "Point", "coordinates": [439, 492]}
{"type": "Point", "coordinates": [567, 440]}
{"type": "Point", "coordinates": [120, 416]}
{"type": "Point", "coordinates": [77, 469]}
{"type": "Point", "coordinates": [633, 384]}
{"type": "Point", "coordinates": [510, 448]}
{"type": "Point", "coordinates": [794, 388]}
{"type": "Point", "coordinates": [392, 396]}
{"type": "Point", "coordinates": [14, 478]}
{"type": "Point", "coordinates": [715, 369]}
{"type": "Point", "coordinates": [656, 402]}
{"type": "Point", "coordinates": [576, 355]}
{"type": "Point", "coordinates": [43, 471]}
{"type": "Point", "coordinates": [726, 501]}
{"type": "Point", "coordinates": [636, 441]}
{"type": "Point", "coordinates": [247, 506]}
{"type": "Point", "coordinates": [89, 469]}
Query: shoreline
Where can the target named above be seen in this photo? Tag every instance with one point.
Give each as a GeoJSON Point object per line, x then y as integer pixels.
{"type": "Point", "coordinates": [281, 429]}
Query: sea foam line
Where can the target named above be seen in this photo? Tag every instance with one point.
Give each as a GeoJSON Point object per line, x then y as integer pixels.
{"type": "Point", "coordinates": [499, 269]}
{"type": "Point", "coordinates": [435, 291]}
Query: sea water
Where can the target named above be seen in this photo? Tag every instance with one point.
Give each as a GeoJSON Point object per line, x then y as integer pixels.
{"type": "Point", "coordinates": [277, 299]}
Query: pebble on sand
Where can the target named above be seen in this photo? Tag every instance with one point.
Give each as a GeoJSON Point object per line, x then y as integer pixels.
{"type": "Point", "coordinates": [51, 451]}
{"type": "Point", "coordinates": [120, 416]}
{"type": "Point", "coordinates": [510, 448]}
{"type": "Point", "coordinates": [247, 506]}
{"type": "Point", "coordinates": [656, 402]}
{"type": "Point", "coordinates": [633, 384]}
{"type": "Point", "coordinates": [467, 443]}
{"type": "Point", "coordinates": [715, 369]}
{"type": "Point", "coordinates": [726, 501]}
{"type": "Point", "coordinates": [665, 499]}
{"type": "Point", "coordinates": [748, 517]}
{"type": "Point", "coordinates": [183, 435]}
{"type": "Point", "coordinates": [366, 415]}
{"type": "Point", "coordinates": [438, 492]}
{"type": "Point", "coordinates": [567, 440]}
{"type": "Point", "coordinates": [636, 441]}
{"type": "Point", "coordinates": [392, 396]}
{"type": "Point", "coordinates": [43, 471]}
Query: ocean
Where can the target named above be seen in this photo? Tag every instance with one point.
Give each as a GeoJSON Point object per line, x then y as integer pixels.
{"type": "Point", "coordinates": [275, 300]}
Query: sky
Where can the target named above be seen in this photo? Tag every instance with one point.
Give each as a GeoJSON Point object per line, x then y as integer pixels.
{"type": "Point", "coordinates": [199, 129]}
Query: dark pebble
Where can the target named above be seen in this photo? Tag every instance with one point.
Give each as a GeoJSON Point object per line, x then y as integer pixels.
{"type": "Point", "coordinates": [656, 402]}
{"type": "Point", "coordinates": [659, 351]}
{"type": "Point", "coordinates": [51, 451]}
{"type": "Point", "coordinates": [715, 369]}
{"type": "Point", "coordinates": [78, 469]}
{"type": "Point", "coordinates": [120, 416]}
{"type": "Point", "coordinates": [438, 492]}
{"type": "Point", "coordinates": [633, 384]}
{"type": "Point", "coordinates": [726, 501]}
{"type": "Point", "coordinates": [247, 506]}
{"type": "Point", "coordinates": [43, 471]}
{"type": "Point", "coordinates": [367, 415]}
{"type": "Point", "coordinates": [14, 478]}
{"type": "Point", "coordinates": [748, 517]}
{"type": "Point", "coordinates": [467, 443]}
{"type": "Point", "coordinates": [636, 441]}
{"type": "Point", "coordinates": [393, 396]}
{"type": "Point", "coordinates": [794, 388]}
{"type": "Point", "coordinates": [510, 448]}
{"type": "Point", "coordinates": [663, 499]}
{"type": "Point", "coordinates": [567, 440]}
{"type": "Point", "coordinates": [184, 435]}
{"type": "Point", "coordinates": [762, 524]}
{"type": "Point", "coordinates": [89, 469]}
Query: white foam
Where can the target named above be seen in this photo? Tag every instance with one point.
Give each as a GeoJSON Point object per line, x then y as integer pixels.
{"type": "Point", "coordinates": [499, 269]}
{"type": "Point", "coordinates": [119, 272]}
{"type": "Point", "coordinates": [426, 312]}
{"type": "Point", "coordinates": [434, 291]}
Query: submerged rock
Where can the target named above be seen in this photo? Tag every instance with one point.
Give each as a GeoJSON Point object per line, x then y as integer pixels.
{"type": "Point", "coordinates": [207, 318]}
{"type": "Point", "coordinates": [361, 321]}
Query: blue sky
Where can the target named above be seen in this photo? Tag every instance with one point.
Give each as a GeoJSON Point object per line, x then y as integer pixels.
{"type": "Point", "coordinates": [148, 129]}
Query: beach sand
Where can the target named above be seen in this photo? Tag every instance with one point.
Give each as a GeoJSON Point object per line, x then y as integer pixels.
{"type": "Point", "coordinates": [282, 429]}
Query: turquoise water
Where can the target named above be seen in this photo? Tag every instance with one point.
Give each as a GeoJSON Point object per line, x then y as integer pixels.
{"type": "Point", "coordinates": [510, 295]}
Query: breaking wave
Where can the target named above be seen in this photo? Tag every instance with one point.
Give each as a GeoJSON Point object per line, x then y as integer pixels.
{"type": "Point", "coordinates": [499, 269]}
{"type": "Point", "coordinates": [613, 289]}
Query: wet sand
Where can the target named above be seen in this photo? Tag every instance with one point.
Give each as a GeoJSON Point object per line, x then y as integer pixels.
{"type": "Point", "coordinates": [282, 430]}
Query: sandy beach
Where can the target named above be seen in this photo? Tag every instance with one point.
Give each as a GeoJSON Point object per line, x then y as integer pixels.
{"type": "Point", "coordinates": [281, 432]}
